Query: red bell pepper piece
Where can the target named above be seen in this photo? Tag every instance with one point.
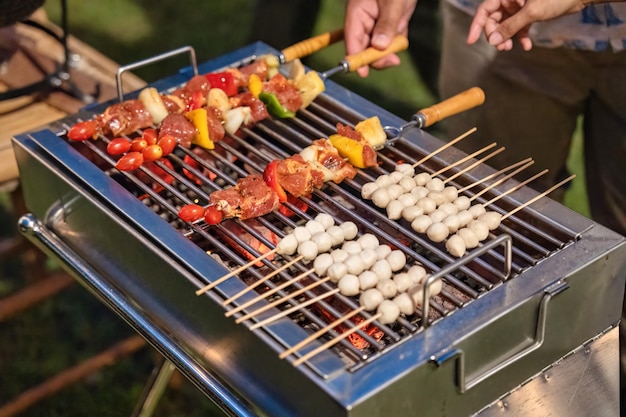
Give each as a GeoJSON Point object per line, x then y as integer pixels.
{"type": "Point", "coordinates": [224, 81]}
{"type": "Point", "coordinates": [270, 175]}
{"type": "Point", "coordinates": [195, 101]}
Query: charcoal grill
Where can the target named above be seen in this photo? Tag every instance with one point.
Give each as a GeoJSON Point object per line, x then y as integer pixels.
{"type": "Point", "coordinates": [544, 284]}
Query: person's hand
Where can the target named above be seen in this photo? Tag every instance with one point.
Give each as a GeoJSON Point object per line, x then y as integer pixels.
{"type": "Point", "coordinates": [375, 23]}
{"type": "Point", "coordinates": [501, 20]}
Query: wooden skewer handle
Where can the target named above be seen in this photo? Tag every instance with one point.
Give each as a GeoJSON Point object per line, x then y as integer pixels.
{"type": "Point", "coordinates": [311, 45]}
{"type": "Point", "coordinates": [366, 57]}
{"type": "Point", "coordinates": [466, 100]}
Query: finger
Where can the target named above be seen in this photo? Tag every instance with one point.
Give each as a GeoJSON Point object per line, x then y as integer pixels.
{"type": "Point", "coordinates": [389, 19]}
{"type": "Point", "coordinates": [509, 27]}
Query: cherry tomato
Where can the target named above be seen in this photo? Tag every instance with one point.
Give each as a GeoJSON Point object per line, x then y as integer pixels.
{"type": "Point", "coordinates": [152, 153]}
{"type": "Point", "coordinates": [83, 130]}
{"type": "Point", "coordinates": [138, 144]}
{"type": "Point", "coordinates": [167, 144]}
{"type": "Point", "coordinates": [130, 162]}
{"type": "Point", "coordinates": [150, 135]}
{"type": "Point", "coordinates": [212, 215]}
{"type": "Point", "coordinates": [118, 146]}
{"type": "Point", "coordinates": [191, 212]}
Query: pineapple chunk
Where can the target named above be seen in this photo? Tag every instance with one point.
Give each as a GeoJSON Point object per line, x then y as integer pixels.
{"type": "Point", "coordinates": [310, 85]}
{"type": "Point", "coordinates": [372, 131]}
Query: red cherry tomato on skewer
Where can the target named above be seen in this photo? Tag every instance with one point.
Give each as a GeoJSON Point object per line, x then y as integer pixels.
{"type": "Point", "coordinates": [167, 144]}
{"type": "Point", "coordinates": [83, 130]}
{"type": "Point", "coordinates": [118, 146]}
{"type": "Point", "coordinates": [152, 153]}
{"type": "Point", "coordinates": [212, 215]}
{"type": "Point", "coordinates": [138, 144]}
{"type": "Point", "coordinates": [150, 135]}
{"type": "Point", "coordinates": [130, 162]}
{"type": "Point", "coordinates": [191, 212]}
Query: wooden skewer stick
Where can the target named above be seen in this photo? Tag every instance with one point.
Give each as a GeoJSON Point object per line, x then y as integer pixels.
{"type": "Point", "coordinates": [495, 174]}
{"type": "Point", "coordinates": [264, 279]}
{"type": "Point", "coordinates": [444, 147]}
{"type": "Point", "coordinates": [474, 165]}
{"type": "Point", "coordinates": [335, 340]}
{"type": "Point", "coordinates": [281, 300]}
{"type": "Point", "coordinates": [268, 293]}
{"type": "Point", "coordinates": [501, 180]}
{"type": "Point", "coordinates": [320, 332]}
{"type": "Point", "coordinates": [464, 159]}
{"type": "Point", "coordinates": [235, 272]}
{"type": "Point", "coordinates": [294, 308]}
{"type": "Point", "coordinates": [532, 200]}
{"type": "Point", "coordinates": [515, 188]}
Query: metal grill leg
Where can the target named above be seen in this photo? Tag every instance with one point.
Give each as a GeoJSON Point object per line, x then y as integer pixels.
{"type": "Point", "coordinates": [154, 389]}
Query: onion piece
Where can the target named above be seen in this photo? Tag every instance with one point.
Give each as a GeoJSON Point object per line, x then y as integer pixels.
{"type": "Point", "coordinates": [152, 101]}
{"type": "Point", "coordinates": [234, 118]}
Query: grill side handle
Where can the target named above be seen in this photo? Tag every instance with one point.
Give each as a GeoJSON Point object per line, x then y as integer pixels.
{"type": "Point", "coordinates": [46, 240]}
{"type": "Point", "coordinates": [464, 383]}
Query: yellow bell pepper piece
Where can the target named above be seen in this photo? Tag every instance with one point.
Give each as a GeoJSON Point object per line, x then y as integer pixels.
{"type": "Point", "coordinates": [349, 148]}
{"type": "Point", "coordinates": [255, 85]}
{"type": "Point", "coordinates": [198, 117]}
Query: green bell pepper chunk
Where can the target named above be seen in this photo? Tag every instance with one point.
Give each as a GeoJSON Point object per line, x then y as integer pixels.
{"type": "Point", "coordinates": [274, 107]}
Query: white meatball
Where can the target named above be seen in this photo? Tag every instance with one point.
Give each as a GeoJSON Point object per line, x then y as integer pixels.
{"type": "Point", "coordinates": [381, 198]}
{"type": "Point", "coordinates": [389, 312]}
{"type": "Point", "coordinates": [302, 234]}
{"type": "Point", "coordinates": [326, 220]}
{"type": "Point", "coordinates": [349, 230]}
{"type": "Point", "coordinates": [313, 226]}
{"type": "Point", "coordinates": [452, 223]}
{"type": "Point", "coordinates": [491, 218]}
{"type": "Point", "coordinates": [405, 169]}
{"type": "Point", "coordinates": [339, 255]}
{"type": "Point", "coordinates": [403, 281]}
{"type": "Point", "coordinates": [420, 192]}
{"type": "Point", "coordinates": [464, 217]}
{"type": "Point", "coordinates": [455, 245]}
{"type": "Point", "coordinates": [438, 197]}
{"type": "Point", "coordinates": [394, 209]}
{"type": "Point", "coordinates": [367, 280]}
{"type": "Point", "coordinates": [405, 303]}
{"type": "Point", "coordinates": [382, 251]}
{"type": "Point", "coordinates": [437, 232]}
{"type": "Point", "coordinates": [396, 259]}
{"type": "Point", "coordinates": [476, 210]}
{"type": "Point", "coordinates": [322, 263]}
{"type": "Point", "coordinates": [408, 199]}
{"type": "Point", "coordinates": [449, 208]}
{"type": "Point", "coordinates": [417, 295]}
{"type": "Point", "coordinates": [369, 257]}
{"type": "Point", "coordinates": [337, 271]}
{"type": "Point", "coordinates": [408, 183]}
{"type": "Point", "coordinates": [352, 247]}
{"type": "Point", "coordinates": [480, 228]}
{"type": "Point", "coordinates": [394, 191]}
{"type": "Point", "coordinates": [435, 287]}
{"type": "Point", "coordinates": [438, 215]}
{"type": "Point", "coordinates": [387, 288]}
{"type": "Point", "coordinates": [323, 241]}
{"type": "Point", "coordinates": [371, 299]}
{"type": "Point", "coordinates": [422, 178]}
{"type": "Point", "coordinates": [469, 237]}
{"type": "Point", "coordinates": [382, 269]}
{"type": "Point", "coordinates": [287, 245]}
{"type": "Point", "coordinates": [355, 264]}
{"type": "Point", "coordinates": [451, 193]}
{"type": "Point", "coordinates": [427, 204]}
{"type": "Point", "coordinates": [395, 177]}
{"type": "Point", "coordinates": [308, 250]}
{"type": "Point", "coordinates": [336, 235]}
{"type": "Point", "coordinates": [417, 273]}
{"type": "Point", "coordinates": [349, 285]}
{"type": "Point", "coordinates": [383, 180]}
{"type": "Point", "coordinates": [368, 240]}
{"type": "Point", "coordinates": [435, 184]}
{"type": "Point", "coordinates": [462, 202]}
{"type": "Point", "coordinates": [368, 189]}
{"type": "Point", "coordinates": [421, 223]}
{"type": "Point", "coordinates": [410, 213]}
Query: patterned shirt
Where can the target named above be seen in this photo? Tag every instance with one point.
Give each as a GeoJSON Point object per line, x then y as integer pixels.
{"type": "Point", "coordinates": [598, 27]}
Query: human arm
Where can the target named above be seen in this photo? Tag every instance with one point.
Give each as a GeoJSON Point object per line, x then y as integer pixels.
{"type": "Point", "coordinates": [375, 23]}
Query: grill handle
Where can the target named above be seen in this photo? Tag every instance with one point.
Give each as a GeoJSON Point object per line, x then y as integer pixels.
{"type": "Point", "coordinates": [148, 61]}
{"type": "Point", "coordinates": [37, 233]}
{"type": "Point", "coordinates": [464, 383]}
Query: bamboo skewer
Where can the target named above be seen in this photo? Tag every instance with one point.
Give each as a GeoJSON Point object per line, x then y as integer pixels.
{"type": "Point", "coordinates": [444, 147]}
{"type": "Point", "coordinates": [501, 180]}
{"type": "Point", "coordinates": [234, 272]}
{"type": "Point", "coordinates": [320, 332]}
{"type": "Point", "coordinates": [294, 308]}
{"type": "Point", "coordinates": [474, 165]}
{"type": "Point", "coordinates": [495, 174]}
{"type": "Point", "coordinates": [264, 279]}
{"type": "Point", "coordinates": [335, 340]}
{"type": "Point", "coordinates": [464, 159]}
{"type": "Point", "coordinates": [532, 200]}
{"type": "Point", "coordinates": [517, 187]}
{"type": "Point", "coordinates": [268, 293]}
{"type": "Point", "coordinates": [281, 300]}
